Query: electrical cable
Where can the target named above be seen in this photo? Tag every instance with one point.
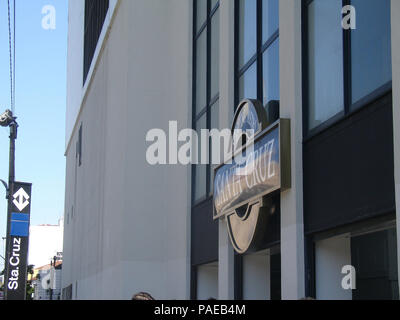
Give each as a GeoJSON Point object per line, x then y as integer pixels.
{"type": "Point", "coordinates": [11, 60]}
{"type": "Point", "coordinates": [14, 62]}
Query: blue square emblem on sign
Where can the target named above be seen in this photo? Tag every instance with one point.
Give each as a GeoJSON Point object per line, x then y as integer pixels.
{"type": "Point", "coordinates": [19, 225]}
{"type": "Point", "coordinates": [19, 228]}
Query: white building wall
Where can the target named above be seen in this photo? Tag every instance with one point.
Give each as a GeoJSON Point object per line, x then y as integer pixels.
{"type": "Point", "coordinates": [129, 231]}
{"type": "Point", "coordinates": [331, 255]}
{"type": "Point", "coordinates": [76, 22]}
{"type": "Point", "coordinates": [76, 91]}
{"type": "Point", "coordinates": [257, 276]}
{"type": "Point", "coordinates": [292, 227]}
{"type": "Point", "coordinates": [395, 20]}
{"type": "Point", "coordinates": [45, 241]}
{"type": "Point", "coordinates": [207, 281]}
{"type": "Point", "coordinates": [42, 293]}
{"type": "Point", "coordinates": [226, 109]}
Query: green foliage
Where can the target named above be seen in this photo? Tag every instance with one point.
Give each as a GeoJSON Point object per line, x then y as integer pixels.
{"type": "Point", "coordinates": [29, 290]}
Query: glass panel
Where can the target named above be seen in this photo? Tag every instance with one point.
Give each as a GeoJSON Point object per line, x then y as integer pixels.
{"type": "Point", "coordinates": [214, 125]}
{"type": "Point", "coordinates": [201, 169]}
{"type": "Point", "coordinates": [270, 9]}
{"type": "Point", "coordinates": [201, 72]}
{"type": "Point", "coordinates": [325, 71]}
{"type": "Point", "coordinates": [213, 3]}
{"type": "Point", "coordinates": [371, 47]}
{"type": "Point", "coordinates": [271, 73]}
{"type": "Point", "coordinates": [248, 83]}
{"type": "Point", "coordinates": [247, 30]}
{"type": "Point", "coordinates": [207, 281]}
{"type": "Point", "coordinates": [201, 13]}
{"type": "Point", "coordinates": [215, 54]}
{"type": "Point", "coordinates": [256, 276]}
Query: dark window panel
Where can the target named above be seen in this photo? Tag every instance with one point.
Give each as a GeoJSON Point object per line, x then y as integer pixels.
{"type": "Point", "coordinates": [201, 13]}
{"type": "Point", "coordinates": [201, 72]}
{"type": "Point", "coordinates": [247, 30]}
{"type": "Point", "coordinates": [270, 18]}
{"type": "Point", "coordinates": [248, 83]}
{"type": "Point", "coordinates": [215, 55]}
{"type": "Point", "coordinates": [325, 61]}
{"type": "Point", "coordinates": [271, 73]}
{"type": "Point", "coordinates": [214, 114]}
{"type": "Point", "coordinates": [95, 14]}
{"type": "Point", "coordinates": [200, 185]}
{"type": "Point", "coordinates": [370, 47]}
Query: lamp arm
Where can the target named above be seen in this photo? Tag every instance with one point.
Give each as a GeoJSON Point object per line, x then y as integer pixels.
{"type": "Point", "coordinates": [5, 186]}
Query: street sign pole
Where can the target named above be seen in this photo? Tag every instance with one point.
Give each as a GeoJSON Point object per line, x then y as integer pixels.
{"type": "Point", "coordinates": [11, 179]}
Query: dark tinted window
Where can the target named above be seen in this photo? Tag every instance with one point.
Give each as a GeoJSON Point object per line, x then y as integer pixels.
{"type": "Point", "coordinates": [95, 14]}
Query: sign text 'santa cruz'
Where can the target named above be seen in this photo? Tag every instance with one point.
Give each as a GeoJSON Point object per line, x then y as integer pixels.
{"type": "Point", "coordinates": [252, 174]}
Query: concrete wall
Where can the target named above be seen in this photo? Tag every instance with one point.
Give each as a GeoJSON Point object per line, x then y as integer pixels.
{"type": "Point", "coordinates": [292, 227]}
{"type": "Point", "coordinates": [207, 281]}
{"type": "Point", "coordinates": [129, 227]}
{"type": "Point", "coordinates": [331, 255]}
{"type": "Point", "coordinates": [256, 276]}
{"type": "Point", "coordinates": [395, 20]}
{"type": "Point", "coordinates": [226, 108]}
{"type": "Point", "coordinates": [76, 89]}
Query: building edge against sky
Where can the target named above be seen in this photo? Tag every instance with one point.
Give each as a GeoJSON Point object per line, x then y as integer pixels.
{"type": "Point", "coordinates": [122, 102]}
{"type": "Point", "coordinates": [131, 227]}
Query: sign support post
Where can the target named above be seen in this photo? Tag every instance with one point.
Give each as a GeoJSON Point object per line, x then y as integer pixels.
{"type": "Point", "coordinates": [11, 178]}
{"type": "Point", "coordinates": [18, 218]}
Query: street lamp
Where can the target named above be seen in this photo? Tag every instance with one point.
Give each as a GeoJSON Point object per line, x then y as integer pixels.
{"type": "Point", "coordinates": [7, 119]}
{"type": "Point", "coordinates": [5, 186]}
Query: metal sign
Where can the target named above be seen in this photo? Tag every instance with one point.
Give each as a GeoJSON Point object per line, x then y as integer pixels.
{"type": "Point", "coordinates": [18, 240]}
{"type": "Point", "coordinates": [260, 166]}
{"type": "Point", "coordinates": [255, 174]}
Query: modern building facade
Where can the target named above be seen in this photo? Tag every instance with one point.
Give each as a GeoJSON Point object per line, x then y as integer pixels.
{"type": "Point", "coordinates": [47, 282]}
{"type": "Point", "coordinates": [45, 242]}
{"type": "Point", "coordinates": [136, 65]}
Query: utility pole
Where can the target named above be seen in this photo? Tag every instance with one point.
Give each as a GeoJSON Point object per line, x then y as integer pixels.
{"type": "Point", "coordinates": [8, 120]}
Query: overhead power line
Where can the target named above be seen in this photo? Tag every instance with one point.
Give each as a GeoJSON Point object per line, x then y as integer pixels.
{"type": "Point", "coordinates": [14, 62]}
{"type": "Point", "coordinates": [11, 41]}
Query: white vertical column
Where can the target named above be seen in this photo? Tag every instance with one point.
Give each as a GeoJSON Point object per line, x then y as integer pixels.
{"type": "Point", "coordinates": [226, 108]}
{"type": "Point", "coordinates": [257, 276]}
{"type": "Point", "coordinates": [395, 17]}
{"type": "Point", "coordinates": [225, 264]}
{"type": "Point", "coordinates": [292, 230]}
{"type": "Point", "coordinates": [330, 257]}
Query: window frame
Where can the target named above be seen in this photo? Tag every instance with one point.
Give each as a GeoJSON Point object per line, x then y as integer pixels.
{"type": "Point", "coordinates": [349, 108]}
{"type": "Point", "coordinates": [257, 57]}
{"type": "Point", "coordinates": [210, 101]}
{"type": "Point", "coordinates": [92, 28]}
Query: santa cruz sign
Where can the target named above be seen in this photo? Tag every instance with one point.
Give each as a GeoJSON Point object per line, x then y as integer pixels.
{"type": "Point", "coordinates": [260, 165]}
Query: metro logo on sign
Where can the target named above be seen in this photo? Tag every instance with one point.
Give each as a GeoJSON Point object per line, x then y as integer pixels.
{"type": "Point", "coordinates": [21, 199]}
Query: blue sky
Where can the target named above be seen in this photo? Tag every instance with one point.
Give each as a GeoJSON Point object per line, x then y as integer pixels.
{"type": "Point", "coordinates": [40, 108]}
